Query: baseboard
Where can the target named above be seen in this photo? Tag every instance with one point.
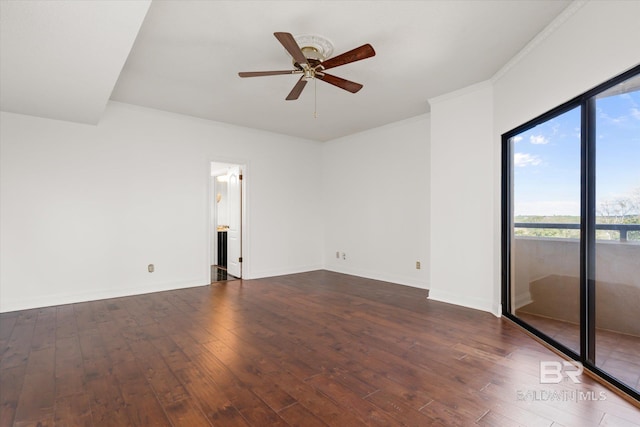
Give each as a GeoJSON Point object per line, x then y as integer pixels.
{"type": "Point", "coordinates": [7, 305]}
{"type": "Point", "coordinates": [259, 274]}
{"type": "Point", "coordinates": [374, 275]}
{"type": "Point", "coordinates": [469, 302]}
{"type": "Point", "coordinates": [497, 310]}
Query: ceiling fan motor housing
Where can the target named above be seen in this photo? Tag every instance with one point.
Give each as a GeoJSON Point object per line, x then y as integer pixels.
{"type": "Point", "coordinates": [317, 47]}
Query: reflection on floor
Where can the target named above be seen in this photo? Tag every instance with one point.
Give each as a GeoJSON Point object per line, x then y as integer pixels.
{"type": "Point", "coordinates": [616, 353]}
{"type": "Point", "coordinates": [219, 274]}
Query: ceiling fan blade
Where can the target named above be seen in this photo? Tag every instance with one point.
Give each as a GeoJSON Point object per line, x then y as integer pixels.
{"type": "Point", "coordinates": [289, 43]}
{"type": "Point", "coordinates": [266, 73]}
{"type": "Point", "coordinates": [297, 89]}
{"type": "Point", "coordinates": [357, 54]}
{"type": "Point", "coordinates": [347, 85]}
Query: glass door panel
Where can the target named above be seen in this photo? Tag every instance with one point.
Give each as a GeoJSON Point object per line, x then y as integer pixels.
{"type": "Point", "coordinates": [545, 256]}
{"type": "Point", "coordinates": [617, 259]}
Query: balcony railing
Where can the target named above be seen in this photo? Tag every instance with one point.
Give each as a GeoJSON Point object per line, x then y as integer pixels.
{"type": "Point", "coordinates": [622, 228]}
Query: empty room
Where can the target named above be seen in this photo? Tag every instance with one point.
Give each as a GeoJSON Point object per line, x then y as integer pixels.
{"type": "Point", "coordinates": [319, 213]}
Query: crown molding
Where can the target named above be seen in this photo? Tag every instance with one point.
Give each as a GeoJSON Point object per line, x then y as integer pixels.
{"type": "Point", "coordinates": [559, 20]}
{"type": "Point", "coordinates": [486, 84]}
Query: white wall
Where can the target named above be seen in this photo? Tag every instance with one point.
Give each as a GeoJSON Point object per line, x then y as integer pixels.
{"type": "Point", "coordinates": [600, 40]}
{"type": "Point", "coordinates": [583, 49]}
{"type": "Point", "coordinates": [85, 208]}
{"type": "Point", "coordinates": [462, 198]}
{"type": "Point", "coordinates": [376, 202]}
{"type": "Point", "coordinates": [588, 45]}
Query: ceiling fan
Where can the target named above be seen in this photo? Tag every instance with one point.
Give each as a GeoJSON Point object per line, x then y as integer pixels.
{"type": "Point", "coordinates": [310, 61]}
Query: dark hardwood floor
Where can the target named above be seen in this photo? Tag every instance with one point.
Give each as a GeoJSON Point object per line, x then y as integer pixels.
{"type": "Point", "coordinates": [617, 353]}
{"type": "Point", "coordinates": [311, 349]}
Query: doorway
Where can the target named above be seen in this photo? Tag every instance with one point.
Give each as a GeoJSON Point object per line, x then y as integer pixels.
{"type": "Point", "coordinates": [227, 216]}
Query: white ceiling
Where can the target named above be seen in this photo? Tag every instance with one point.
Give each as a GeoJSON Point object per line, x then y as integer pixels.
{"type": "Point", "coordinates": [61, 59]}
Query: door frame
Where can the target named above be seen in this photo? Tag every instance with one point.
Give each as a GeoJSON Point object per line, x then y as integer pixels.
{"type": "Point", "coordinates": [244, 240]}
{"type": "Point", "coordinates": [586, 354]}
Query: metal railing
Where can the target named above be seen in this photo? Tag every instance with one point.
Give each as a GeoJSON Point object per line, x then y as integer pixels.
{"type": "Point", "coordinates": [622, 228]}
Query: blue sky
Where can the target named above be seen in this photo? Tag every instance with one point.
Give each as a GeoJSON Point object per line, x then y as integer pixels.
{"type": "Point", "coordinates": [547, 158]}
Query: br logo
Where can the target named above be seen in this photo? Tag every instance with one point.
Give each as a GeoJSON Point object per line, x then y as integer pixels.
{"type": "Point", "coordinates": [553, 372]}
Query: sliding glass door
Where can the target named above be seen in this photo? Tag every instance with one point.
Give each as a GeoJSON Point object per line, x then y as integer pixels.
{"type": "Point", "coordinates": [571, 229]}
{"type": "Point", "coordinates": [546, 227]}
{"type": "Point", "coordinates": [617, 224]}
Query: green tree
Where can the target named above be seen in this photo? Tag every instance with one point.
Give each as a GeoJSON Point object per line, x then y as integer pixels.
{"type": "Point", "coordinates": [620, 210]}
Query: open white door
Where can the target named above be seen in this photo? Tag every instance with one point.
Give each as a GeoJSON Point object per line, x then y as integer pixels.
{"type": "Point", "coordinates": [234, 234]}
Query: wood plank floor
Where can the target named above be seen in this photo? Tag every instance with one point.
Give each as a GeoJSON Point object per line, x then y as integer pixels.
{"type": "Point", "coordinates": [311, 349]}
{"type": "Point", "coordinates": [616, 353]}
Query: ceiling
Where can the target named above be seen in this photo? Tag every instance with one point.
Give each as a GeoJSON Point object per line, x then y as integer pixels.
{"type": "Point", "coordinates": [65, 59]}
{"type": "Point", "coordinates": [61, 59]}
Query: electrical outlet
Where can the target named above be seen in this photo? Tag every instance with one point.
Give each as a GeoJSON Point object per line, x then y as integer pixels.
{"type": "Point", "coordinates": [417, 265]}
{"type": "Point", "coordinates": [338, 254]}
{"type": "Point", "coordinates": [151, 268]}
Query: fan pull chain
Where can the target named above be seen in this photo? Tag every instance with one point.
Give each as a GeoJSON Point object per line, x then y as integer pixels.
{"type": "Point", "coordinates": [315, 99]}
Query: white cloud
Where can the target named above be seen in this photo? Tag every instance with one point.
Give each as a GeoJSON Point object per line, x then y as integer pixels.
{"type": "Point", "coordinates": [612, 120]}
{"type": "Point", "coordinates": [516, 139]}
{"type": "Point", "coordinates": [635, 113]}
{"type": "Point", "coordinates": [538, 139]}
{"type": "Point", "coordinates": [521, 160]}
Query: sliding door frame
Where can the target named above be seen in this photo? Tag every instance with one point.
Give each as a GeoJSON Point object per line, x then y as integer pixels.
{"type": "Point", "coordinates": [586, 102]}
